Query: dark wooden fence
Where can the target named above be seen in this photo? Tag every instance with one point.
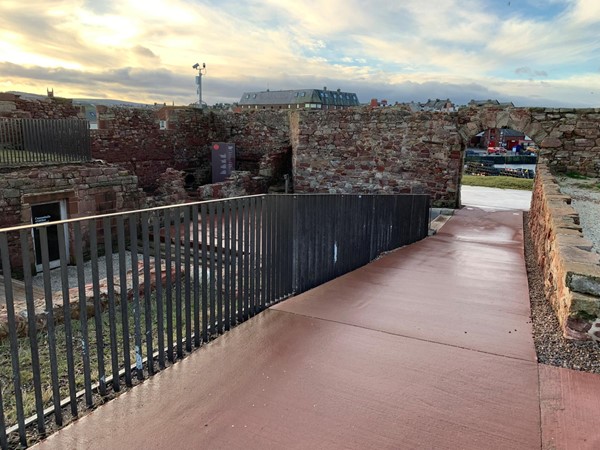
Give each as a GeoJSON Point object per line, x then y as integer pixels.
{"type": "Point", "coordinates": [27, 141]}
{"type": "Point", "coordinates": [136, 291]}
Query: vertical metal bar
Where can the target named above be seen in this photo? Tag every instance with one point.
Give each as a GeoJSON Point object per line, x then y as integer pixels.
{"type": "Point", "coordinates": [246, 258]}
{"type": "Point", "coordinates": [97, 307]}
{"type": "Point", "coordinates": [187, 274]}
{"type": "Point", "coordinates": [219, 274]}
{"type": "Point", "coordinates": [240, 261]}
{"type": "Point", "coordinates": [211, 273]}
{"type": "Point", "coordinates": [234, 259]}
{"type": "Point", "coordinates": [135, 286]}
{"type": "Point", "coordinates": [62, 251]}
{"type": "Point", "coordinates": [263, 250]}
{"type": "Point", "coordinates": [297, 250]}
{"type": "Point", "coordinates": [196, 251]}
{"type": "Point", "coordinates": [256, 254]}
{"type": "Point", "coordinates": [289, 244]}
{"type": "Point", "coordinates": [169, 285]}
{"type": "Point", "coordinates": [278, 247]}
{"type": "Point", "coordinates": [329, 242]}
{"type": "Point", "coordinates": [204, 238]}
{"type": "Point", "coordinates": [227, 263]}
{"type": "Point", "coordinates": [50, 325]}
{"type": "Point", "coordinates": [251, 255]}
{"type": "Point", "coordinates": [124, 299]}
{"type": "Point", "coordinates": [12, 333]}
{"type": "Point", "coordinates": [271, 268]}
{"type": "Point", "coordinates": [178, 319]}
{"type": "Point", "coordinates": [316, 212]}
{"type": "Point", "coordinates": [110, 284]}
{"type": "Point", "coordinates": [85, 348]}
{"type": "Point", "coordinates": [160, 331]}
{"type": "Point", "coordinates": [148, 291]}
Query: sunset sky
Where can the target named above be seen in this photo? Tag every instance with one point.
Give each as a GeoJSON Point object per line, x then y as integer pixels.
{"type": "Point", "coordinates": [531, 52]}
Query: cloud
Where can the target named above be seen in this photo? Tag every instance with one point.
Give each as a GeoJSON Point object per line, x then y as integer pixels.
{"type": "Point", "coordinates": [532, 73]}
{"type": "Point", "coordinates": [143, 51]}
{"type": "Point", "coordinates": [405, 50]}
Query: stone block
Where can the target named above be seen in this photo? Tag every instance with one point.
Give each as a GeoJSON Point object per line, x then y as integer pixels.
{"type": "Point", "coordinates": [11, 193]}
{"type": "Point", "coordinates": [574, 241]}
{"type": "Point", "coordinates": [589, 305]}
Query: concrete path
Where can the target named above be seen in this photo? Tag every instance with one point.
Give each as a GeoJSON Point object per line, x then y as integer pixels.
{"type": "Point", "coordinates": [494, 199]}
{"type": "Point", "coordinates": [428, 347]}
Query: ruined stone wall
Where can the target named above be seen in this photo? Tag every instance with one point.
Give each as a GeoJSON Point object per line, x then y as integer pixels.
{"type": "Point", "coordinates": [87, 189]}
{"type": "Point", "coordinates": [133, 138]}
{"type": "Point", "coordinates": [377, 151]}
{"type": "Point", "coordinates": [571, 270]}
{"type": "Point", "coordinates": [262, 141]}
{"type": "Point", "coordinates": [49, 108]}
{"type": "Point", "coordinates": [572, 143]}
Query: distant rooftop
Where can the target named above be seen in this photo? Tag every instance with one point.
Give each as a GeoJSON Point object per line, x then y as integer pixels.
{"type": "Point", "coordinates": [307, 98]}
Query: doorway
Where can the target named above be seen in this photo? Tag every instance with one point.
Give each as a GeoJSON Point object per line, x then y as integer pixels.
{"type": "Point", "coordinates": [44, 213]}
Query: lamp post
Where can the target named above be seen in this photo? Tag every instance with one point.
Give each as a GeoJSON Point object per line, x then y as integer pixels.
{"type": "Point", "coordinates": [201, 71]}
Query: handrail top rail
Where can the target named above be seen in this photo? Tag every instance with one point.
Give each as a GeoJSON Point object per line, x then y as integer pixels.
{"type": "Point", "coordinates": [172, 206]}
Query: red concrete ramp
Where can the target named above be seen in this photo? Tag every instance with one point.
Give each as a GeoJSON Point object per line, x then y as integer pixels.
{"type": "Point", "coordinates": [428, 347]}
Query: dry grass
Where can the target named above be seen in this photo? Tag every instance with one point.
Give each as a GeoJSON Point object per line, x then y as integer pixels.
{"type": "Point", "coordinates": [500, 182]}
{"type": "Point", "coordinates": [26, 365]}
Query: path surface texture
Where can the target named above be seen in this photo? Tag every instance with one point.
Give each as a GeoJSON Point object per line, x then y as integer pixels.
{"type": "Point", "coordinates": [428, 347]}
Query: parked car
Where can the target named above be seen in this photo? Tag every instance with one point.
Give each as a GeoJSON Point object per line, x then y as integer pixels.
{"type": "Point", "coordinates": [495, 150]}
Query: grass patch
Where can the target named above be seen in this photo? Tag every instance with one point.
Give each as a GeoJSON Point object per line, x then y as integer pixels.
{"type": "Point", "coordinates": [576, 176]}
{"type": "Point", "coordinates": [25, 354]}
{"type": "Point", "coordinates": [500, 182]}
{"type": "Point", "coordinates": [591, 186]}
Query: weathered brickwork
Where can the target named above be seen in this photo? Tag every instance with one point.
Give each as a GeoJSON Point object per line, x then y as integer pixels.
{"type": "Point", "coordinates": [49, 108]}
{"type": "Point", "coordinates": [134, 138]}
{"type": "Point", "coordinates": [392, 150]}
{"type": "Point", "coordinates": [571, 270]}
{"type": "Point", "coordinates": [237, 185]}
{"type": "Point", "coordinates": [370, 151]}
{"type": "Point", "coordinates": [86, 189]}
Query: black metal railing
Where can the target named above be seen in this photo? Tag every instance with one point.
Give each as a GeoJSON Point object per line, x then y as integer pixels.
{"type": "Point", "coordinates": [27, 141]}
{"type": "Point", "coordinates": [136, 291]}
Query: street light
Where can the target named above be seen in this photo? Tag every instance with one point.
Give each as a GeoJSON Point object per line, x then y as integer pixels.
{"type": "Point", "coordinates": [201, 71]}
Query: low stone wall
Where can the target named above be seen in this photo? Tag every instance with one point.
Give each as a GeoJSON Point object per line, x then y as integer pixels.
{"type": "Point", "coordinates": [571, 270]}
{"type": "Point", "coordinates": [238, 184]}
{"type": "Point", "coordinates": [85, 189]}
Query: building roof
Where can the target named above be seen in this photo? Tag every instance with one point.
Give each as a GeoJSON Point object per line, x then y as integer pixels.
{"type": "Point", "coordinates": [292, 97]}
{"type": "Point", "coordinates": [509, 132]}
{"type": "Point", "coordinates": [490, 102]}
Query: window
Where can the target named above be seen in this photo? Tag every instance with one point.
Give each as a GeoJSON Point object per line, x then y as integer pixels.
{"type": "Point", "coordinates": [162, 125]}
{"type": "Point", "coordinates": [254, 96]}
{"type": "Point", "coordinates": [302, 94]}
{"type": "Point", "coordinates": [247, 95]}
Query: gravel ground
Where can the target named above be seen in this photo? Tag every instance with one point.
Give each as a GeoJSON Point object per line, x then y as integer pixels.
{"type": "Point", "coordinates": [586, 201]}
{"type": "Point", "coordinates": [550, 345]}
{"type": "Point", "coordinates": [55, 274]}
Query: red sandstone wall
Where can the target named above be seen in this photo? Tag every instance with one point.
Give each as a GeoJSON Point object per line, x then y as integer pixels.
{"type": "Point", "coordinates": [571, 270]}
{"type": "Point", "coordinates": [48, 108]}
{"type": "Point", "coordinates": [377, 151]}
{"type": "Point", "coordinates": [88, 189]}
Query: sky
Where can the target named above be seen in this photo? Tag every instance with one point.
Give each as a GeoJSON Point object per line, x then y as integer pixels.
{"type": "Point", "coordinates": [530, 52]}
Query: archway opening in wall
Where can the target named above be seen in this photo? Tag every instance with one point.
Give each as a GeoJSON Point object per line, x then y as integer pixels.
{"type": "Point", "coordinates": [498, 169]}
